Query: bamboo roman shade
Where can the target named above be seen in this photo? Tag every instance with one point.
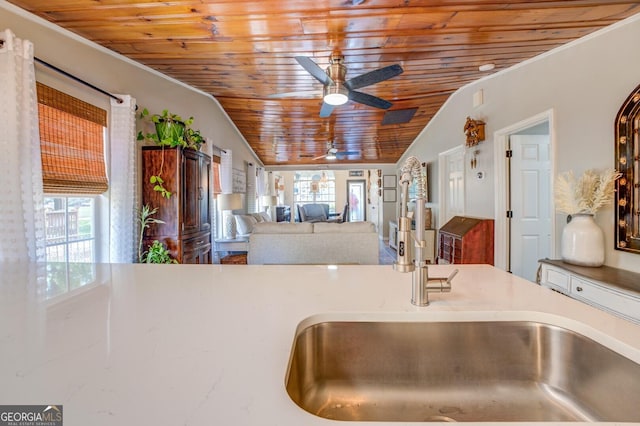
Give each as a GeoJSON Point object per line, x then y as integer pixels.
{"type": "Point", "coordinates": [217, 187]}
{"type": "Point", "coordinates": [72, 143]}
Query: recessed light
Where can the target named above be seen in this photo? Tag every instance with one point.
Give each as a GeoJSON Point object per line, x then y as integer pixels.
{"type": "Point", "coordinates": [486, 67]}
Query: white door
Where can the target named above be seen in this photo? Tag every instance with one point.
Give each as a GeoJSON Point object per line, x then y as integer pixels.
{"type": "Point", "coordinates": [452, 192]}
{"type": "Point", "coordinates": [530, 203]}
{"type": "Point", "coordinates": [374, 212]}
{"type": "Point", "coordinates": [357, 193]}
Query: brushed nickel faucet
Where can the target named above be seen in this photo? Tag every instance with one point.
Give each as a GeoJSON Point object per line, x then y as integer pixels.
{"type": "Point", "coordinates": [406, 261]}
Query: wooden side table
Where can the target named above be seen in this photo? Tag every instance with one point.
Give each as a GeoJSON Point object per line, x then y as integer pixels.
{"type": "Point", "coordinates": [234, 259]}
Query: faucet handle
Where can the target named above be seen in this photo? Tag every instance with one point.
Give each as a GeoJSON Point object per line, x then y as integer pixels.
{"type": "Point", "coordinates": [450, 277]}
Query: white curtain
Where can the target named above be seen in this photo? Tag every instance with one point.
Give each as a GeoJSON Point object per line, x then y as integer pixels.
{"type": "Point", "coordinates": [21, 198]}
{"type": "Point", "coordinates": [226, 171]}
{"type": "Point", "coordinates": [252, 207]}
{"type": "Point", "coordinates": [123, 177]}
{"type": "Point", "coordinates": [261, 184]}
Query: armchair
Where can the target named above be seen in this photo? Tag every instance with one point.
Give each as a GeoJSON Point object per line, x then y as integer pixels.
{"type": "Point", "coordinates": [342, 217]}
{"type": "Point", "coordinates": [313, 212]}
{"type": "Point", "coordinates": [320, 213]}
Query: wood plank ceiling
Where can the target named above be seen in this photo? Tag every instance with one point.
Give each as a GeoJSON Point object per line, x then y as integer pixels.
{"type": "Point", "coordinates": [243, 53]}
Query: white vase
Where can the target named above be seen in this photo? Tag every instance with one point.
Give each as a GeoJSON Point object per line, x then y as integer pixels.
{"type": "Point", "coordinates": [582, 241]}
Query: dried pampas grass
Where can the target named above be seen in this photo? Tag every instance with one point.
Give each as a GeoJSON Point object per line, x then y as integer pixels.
{"type": "Point", "coordinates": [586, 194]}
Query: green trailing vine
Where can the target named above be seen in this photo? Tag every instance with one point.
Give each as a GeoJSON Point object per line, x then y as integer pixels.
{"type": "Point", "coordinates": [158, 185]}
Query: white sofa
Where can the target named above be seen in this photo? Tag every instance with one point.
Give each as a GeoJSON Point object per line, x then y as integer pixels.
{"type": "Point", "coordinates": [319, 243]}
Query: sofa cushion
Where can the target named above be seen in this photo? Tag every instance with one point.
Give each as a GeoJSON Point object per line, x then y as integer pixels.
{"type": "Point", "coordinates": [245, 223]}
{"type": "Point", "coordinates": [258, 217]}
{"type": "Point", "coordinates": [283, 228]}
{"type": "Point", "coordinates": [343, 228]}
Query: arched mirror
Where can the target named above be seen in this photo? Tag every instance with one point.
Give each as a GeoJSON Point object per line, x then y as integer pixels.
{"type": "Point", "coordinates": [627, 162]}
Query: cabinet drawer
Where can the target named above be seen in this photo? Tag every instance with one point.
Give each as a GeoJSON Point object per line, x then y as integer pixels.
{"type": "Point", "coordinates": [196, 243]}
{"type": "Point", "coordinates": [605, 298]}
{"type": "Point", "coordinates": [555, 278]}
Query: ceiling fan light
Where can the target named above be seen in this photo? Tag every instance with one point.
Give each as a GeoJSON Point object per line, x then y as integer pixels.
{"type": "Point", "coordinates": [336, 94]}
{"type": "Point", "coordinates": [330, 156]}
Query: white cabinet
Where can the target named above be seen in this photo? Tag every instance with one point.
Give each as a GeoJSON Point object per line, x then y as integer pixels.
{"type": "Point", "coordinates": [429, 236]}
{"type": "Point", "coordinates": [611, 289]}
{"type": "Point", "coordinates": [393, 235]}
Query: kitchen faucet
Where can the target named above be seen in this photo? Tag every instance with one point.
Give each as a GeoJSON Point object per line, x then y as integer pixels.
{"type": "Point", "coordinates": [406, 262]}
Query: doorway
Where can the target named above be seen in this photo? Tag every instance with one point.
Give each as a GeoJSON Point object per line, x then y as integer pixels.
{"type": "Point", "coordinates": [451, 181]}
{"type": "Point", "coordinates": [357, 197]}
{"type": "Point", "coordinates": [524, 207]}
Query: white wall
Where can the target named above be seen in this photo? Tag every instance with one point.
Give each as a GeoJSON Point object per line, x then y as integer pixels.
{"type": "Point", "coordinates": [117, 74]}
{"type": "Point", "coordinates": [584, 83]}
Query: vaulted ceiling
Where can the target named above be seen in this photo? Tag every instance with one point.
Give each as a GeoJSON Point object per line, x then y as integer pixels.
{"type": "Point", "coordinates": [244, 54]}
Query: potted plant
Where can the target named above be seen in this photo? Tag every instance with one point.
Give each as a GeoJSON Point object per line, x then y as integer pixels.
{"type": "Point", "coordinates": [582, 240]}
{"type": "Point", "coordinates": [194, 139]}
{"type": "Point", "coordinates": [170, 129]}
{"type": "Point", "coordinates": [156, 252]}
{"type": "Point", "coordinates": [173, 131]}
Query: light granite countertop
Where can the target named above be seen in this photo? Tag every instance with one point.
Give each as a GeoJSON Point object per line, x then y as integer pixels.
{"type": "Point", "coordinates": [209, 344]}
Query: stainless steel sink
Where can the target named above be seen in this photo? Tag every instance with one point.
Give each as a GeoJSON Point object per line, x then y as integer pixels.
{"type": "Point", "coordinates": [459, 371]}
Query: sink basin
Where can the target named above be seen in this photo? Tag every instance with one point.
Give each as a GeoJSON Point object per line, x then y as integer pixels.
{"type": "Point", "coordinates": [459, 371]}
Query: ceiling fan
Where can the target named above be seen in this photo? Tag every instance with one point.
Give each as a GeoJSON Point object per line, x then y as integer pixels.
{"type": "Point", "coordinates": [333, 153]}
{"type": "Point", "coordinates": [337, 90]}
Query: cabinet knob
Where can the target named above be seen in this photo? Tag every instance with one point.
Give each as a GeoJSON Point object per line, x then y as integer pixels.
{"type": "Point", "coordinates": [578, 288]}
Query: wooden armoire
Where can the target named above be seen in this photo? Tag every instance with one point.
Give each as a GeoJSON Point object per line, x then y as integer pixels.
{"type": "Point", "coordinates": [466, 240]}
{"type": "Point", "coordinates": [186, 231]}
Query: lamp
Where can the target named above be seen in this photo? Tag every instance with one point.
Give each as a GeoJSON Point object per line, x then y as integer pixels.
{"type": "Point", "coordinates": [269, 201]}
{"type": "Point", "coordinates": [335, 94]}
{"type": "Point", "coordinates": [226, 203]}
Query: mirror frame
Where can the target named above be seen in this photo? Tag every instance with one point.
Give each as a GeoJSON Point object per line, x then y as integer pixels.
{"type": "Point", "coordinates": [627, 158]}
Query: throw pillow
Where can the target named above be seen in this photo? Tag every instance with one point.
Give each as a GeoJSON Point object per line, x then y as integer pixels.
{"type": "Point", "coordinates": [258, 217]}
{"type": "Point", "coordinates": [245, 224]}
{"type": "Point", "coordinates": [265, 216]}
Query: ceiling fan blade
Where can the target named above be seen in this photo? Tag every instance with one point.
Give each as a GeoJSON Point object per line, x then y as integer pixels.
{"type": "Point", "coordinates": [370, 100]}
{"type": "Point", "coordinates": [348, 153]}
{"type": "Point", "coordinates": [322, 156]}
{"type": "Point", "coordinates": [374, 77]}
{"type": "Point", "coordinates": [326, 110]}
{"type": "Point", "coordinates": [313, 69]}
{"type": "Point", "coordinates": [300, 94]}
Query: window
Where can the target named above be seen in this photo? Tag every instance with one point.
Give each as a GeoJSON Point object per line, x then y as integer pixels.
{"type": "Point", "coordinates": [69, 229]}
{"type": "Point", "coordinates": [72, 139]}
{"type": "Point", "coordinates": [314, 187]}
